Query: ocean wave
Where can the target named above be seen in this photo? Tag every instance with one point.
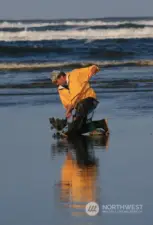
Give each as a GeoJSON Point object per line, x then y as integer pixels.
{"type": "Point", "coordinates": [90, 34]}
{"type": "Point", "coordinates": [111, 27]}
{"type": "Point", "coordinates": [94, 53]}
{"type": "Point", "coordinates": [102, 22]}
{"type": "Point", "coordinates": [68, 27]}
{"type": "Point", "coordinates": [38, 28]}
{"type": "Point", "coordinates": [22, 25]}
{"type": "Point", "coordinates": [18, 51]}
{"type": "Point", "coordinates": [46, 87]}
{"type": "Point", "coordinates": [103, 53]}
{"type": "Point", "coordinates": [108, 23]}
{"type": "Point", "coordinates": [50, 66]}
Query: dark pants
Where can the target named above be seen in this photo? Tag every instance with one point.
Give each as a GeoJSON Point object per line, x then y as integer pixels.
{"type": "Point", "coordinates": [83, 108]}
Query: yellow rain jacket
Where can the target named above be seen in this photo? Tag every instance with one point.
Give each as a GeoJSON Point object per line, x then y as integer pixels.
{"type": "Point", "coordinates": [79, 87]}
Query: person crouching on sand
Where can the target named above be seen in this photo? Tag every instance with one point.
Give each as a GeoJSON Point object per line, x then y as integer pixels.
{"type": "Point", "coordinates": [75, 93]}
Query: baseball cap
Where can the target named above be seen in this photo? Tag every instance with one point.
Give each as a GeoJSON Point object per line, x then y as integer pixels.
{"type": "Point", "coordinates": [54, 75]}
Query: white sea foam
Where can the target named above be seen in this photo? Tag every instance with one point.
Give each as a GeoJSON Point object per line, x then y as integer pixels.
{"type": "Point", "coordinates": [75, 23]}
{"type": "Point", "coordinates": [103, 23]}
{"type": "Point", "coordinates": [89, 34]}
{"type": "Point", "coordinates": [22, 25]}
{"type": "Point", "coordinates": [37, 66]}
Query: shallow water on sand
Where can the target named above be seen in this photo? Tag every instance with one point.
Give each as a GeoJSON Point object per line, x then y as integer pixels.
{"type": "Point", "coordinates": [47, 181]}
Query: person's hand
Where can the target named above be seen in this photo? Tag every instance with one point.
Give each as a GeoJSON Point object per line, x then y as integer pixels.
{"type": "Point", "coordinates": [68, 115]}
{"type": "Point", "coordinates": [69, 111]}
{"type": "Point", "coordinates": [93, 71]}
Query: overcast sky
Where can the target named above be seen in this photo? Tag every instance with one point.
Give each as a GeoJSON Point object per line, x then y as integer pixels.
{"type": "Point", "coordinates": [50, 9]}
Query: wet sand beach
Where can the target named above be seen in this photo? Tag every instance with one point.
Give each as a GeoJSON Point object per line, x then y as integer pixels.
{"type": "Point", "coordinates": [32, 164]}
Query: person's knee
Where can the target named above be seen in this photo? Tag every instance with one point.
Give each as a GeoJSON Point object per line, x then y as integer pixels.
{"type": "Point", "coordinates": [76, 125]}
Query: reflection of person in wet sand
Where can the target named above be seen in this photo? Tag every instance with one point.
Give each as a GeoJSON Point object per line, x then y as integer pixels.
{"type": "Point", "coordinates": [78, 184]}
{"type": "Point", "coordinates": [79, 175]}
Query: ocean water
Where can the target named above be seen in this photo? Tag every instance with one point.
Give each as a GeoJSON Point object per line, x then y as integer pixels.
{"type": "Point", "coordinates": [33, 165]}
{"type": "Point", "coordinates": [30, 50]}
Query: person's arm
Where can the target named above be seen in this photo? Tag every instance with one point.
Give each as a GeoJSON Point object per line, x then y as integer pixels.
{"type": "Point", "coordinates": [84, 74]}
{"type": "Point", "coordinates": [93, 70]}
{"type": "Point", "coordinates": [80, 79]}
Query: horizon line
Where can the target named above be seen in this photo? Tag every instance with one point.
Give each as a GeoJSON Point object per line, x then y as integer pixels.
{"type": "Point", "coordinates": [81, 18]}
